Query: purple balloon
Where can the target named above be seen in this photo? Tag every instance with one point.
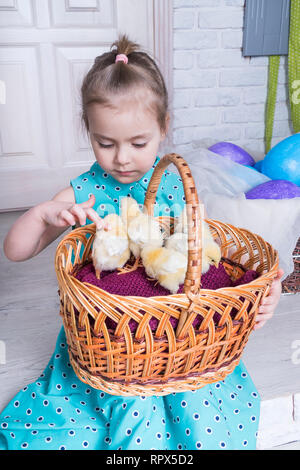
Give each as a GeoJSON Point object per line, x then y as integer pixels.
{"type": "Point", "coordinates": [233, 152]}
{"type": "Point", "coordinates": [274, 189]}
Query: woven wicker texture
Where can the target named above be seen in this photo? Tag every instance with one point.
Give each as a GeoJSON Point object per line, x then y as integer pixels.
{"type": "Point", "coordinates": [163, 361]}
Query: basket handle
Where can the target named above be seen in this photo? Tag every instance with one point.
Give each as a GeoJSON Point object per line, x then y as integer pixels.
{"type": "Point", "coordinates": [192, 281]}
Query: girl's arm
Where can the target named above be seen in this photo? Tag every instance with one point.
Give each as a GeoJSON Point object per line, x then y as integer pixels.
{"type": "Point", "coordinates": [42, 224]}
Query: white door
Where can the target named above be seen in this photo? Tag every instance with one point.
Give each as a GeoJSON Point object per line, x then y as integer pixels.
{"type": "Point", "coordinates": [46, 48]}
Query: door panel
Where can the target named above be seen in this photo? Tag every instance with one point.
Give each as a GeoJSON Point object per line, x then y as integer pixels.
{"type": "Point", "coordinates": [46, 47]}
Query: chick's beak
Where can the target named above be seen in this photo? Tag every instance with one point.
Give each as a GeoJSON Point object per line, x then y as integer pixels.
{"type": "Point", "coordinates": [216, 264]}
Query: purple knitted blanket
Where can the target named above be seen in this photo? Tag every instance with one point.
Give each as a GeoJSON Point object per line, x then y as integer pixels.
{"type": "Point", "coordinates": [137, 283]}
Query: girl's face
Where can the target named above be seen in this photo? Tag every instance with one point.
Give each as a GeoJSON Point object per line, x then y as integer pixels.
{"type": "Point", "coordinates": [125, 136]}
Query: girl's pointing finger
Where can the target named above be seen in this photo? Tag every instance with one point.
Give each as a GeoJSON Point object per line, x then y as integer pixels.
{"type": "Point", "coordinates": [89, 203]}
{"type": "Point", "coordinates": [94, 217]}
{"type": "Point", "coordinates": [80, 213]}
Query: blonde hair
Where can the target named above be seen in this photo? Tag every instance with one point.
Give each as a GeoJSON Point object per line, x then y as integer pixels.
{"type": "Point", "coordinates": [107, 78]}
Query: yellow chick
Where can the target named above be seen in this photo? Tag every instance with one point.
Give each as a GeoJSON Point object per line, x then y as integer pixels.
{"type": "Point", "coordinates": [178, 241]}
{"type": "Point", "coordinates": [142, 229]}
{"type": "Point", "coordinates": [211, 253]}
{"type": "Point", "coordinates": [166, 265]}
{"type": "Point", "coordinates": [129, 210]}
{"type": "Point", "coordinates": [111, 247]}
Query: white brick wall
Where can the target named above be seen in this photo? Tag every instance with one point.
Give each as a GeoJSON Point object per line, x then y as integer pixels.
{"type": "Point", "coordinates": [218, 93]}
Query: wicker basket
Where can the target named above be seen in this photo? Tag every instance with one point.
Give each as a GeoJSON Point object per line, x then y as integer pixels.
{"type": "Point", "coordinates": [163, 361]}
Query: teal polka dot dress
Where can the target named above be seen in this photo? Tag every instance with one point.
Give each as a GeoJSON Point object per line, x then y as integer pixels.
{"type": "Point", "coordinates": [59, 412]}
{"type": "Point", "coordinates": [108, 191]}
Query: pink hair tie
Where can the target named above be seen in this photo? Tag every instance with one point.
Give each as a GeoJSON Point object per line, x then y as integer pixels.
{"type": "Point", "coordinates": [122, 57]}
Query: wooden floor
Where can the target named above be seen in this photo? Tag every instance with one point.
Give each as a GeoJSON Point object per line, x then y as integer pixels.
{"type": "Point", "coordinates": [30, 322]}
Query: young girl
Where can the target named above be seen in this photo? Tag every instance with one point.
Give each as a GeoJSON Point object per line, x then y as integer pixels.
{"type": "Point", "coordinates": [125, 111]}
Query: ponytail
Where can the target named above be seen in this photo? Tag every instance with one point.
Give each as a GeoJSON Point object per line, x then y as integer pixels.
{"type": "Point", "coordinates": [109, 77]}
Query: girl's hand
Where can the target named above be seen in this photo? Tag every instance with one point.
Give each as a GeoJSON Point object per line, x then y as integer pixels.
{"type": "Point", "coordinates": [268, 305]}
{"type": "Point", "coordinates": [63, 214]}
